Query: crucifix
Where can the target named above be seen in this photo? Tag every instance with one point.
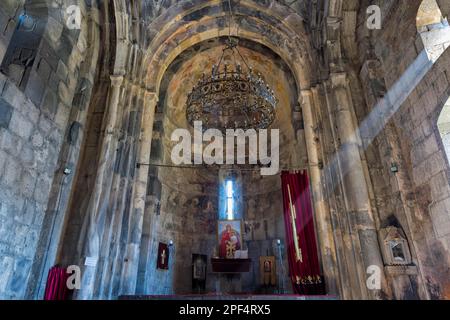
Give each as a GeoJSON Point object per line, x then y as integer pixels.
{"type": "Point", "coordinates": [298, 251]}
{"type": "Point", "coordinates": [163, 257]}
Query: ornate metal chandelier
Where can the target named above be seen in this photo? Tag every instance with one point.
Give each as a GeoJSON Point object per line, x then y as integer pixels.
{"type": "Point", "coordinates": [231, 98]}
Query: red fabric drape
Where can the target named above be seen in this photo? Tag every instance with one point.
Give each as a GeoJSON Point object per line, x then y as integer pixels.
{"type": "Point", "coordinates": [56, 288]}
{"type": "Point", "coordinates": [305, 274]}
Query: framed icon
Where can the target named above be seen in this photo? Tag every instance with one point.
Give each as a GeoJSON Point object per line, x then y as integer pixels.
{"type": "Point", "coordinates": [230, 238]}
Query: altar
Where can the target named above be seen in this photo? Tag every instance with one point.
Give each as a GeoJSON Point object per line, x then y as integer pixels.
{"type": "Point", "coordinates": [227, 273]}
{"type": "Point", "coordinates": [230, 266]}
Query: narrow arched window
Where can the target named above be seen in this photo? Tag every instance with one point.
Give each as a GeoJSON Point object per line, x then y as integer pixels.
{"type": "Point", "coordinates": [433, 28]}
{"type": "Point", "coordinates": [230, 199]}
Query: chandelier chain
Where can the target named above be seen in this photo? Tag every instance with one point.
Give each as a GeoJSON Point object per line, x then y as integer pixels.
{"type": "Point", "coordinates": [231, 99]}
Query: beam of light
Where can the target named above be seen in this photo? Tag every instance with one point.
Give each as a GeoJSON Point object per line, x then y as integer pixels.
{"type": "Point", "coordinates": [385, 109]}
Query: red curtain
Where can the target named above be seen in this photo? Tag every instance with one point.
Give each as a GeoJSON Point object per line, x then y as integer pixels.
{"type": "Point", "coordinates": [56, 288]}
{"type": "Point", "coordinates": [304, 266]}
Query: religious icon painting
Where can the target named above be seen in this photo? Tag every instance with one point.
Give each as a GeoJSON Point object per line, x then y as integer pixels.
{"type": "Point", "coordinates": [230, 238]}
{"type": "Point", "coordinates": [199, 264]}
{"type": "Point", "coordinates": [267, 270]}
{"type": "Point", "coordinates": [162, 261]}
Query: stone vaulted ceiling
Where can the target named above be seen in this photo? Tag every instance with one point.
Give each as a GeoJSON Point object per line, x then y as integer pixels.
{"type": "Point", "coordinates": [187, 69]}
{"type": "Point", "coordinates": [183, 43]}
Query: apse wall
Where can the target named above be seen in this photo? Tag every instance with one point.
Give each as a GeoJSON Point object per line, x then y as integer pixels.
{"type": "Point", "coordinates": [189, 219]}
{"type": "Point", "coordinates": [264, 225]}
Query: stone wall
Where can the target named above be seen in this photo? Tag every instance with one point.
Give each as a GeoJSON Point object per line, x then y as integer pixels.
{"type": "Point", "coordinates": [397, 50]}
{"type": "Point", "coordinates": [26, 158]}
{"type": "Point", "coordinates": [191, 223]}
{"type": "Point", "coordinates": [264, 225]}
{"type": "Point", "coordinates": [8, 21]}
{"type": "Point", "coordinates": [186, 220]}
{"type": "Point", "coordinates": [444, 127]}
{"type": "Point", "coordinates": [428, 167]}
{"type": "Point", "coordinates": [413, 196]}
{"type": "Point", "coordinates": [35, 125]}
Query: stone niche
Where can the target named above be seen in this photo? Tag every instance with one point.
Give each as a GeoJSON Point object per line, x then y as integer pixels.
{"type": "Point", "coordinates": [395, 247]}
{"type": "Point", "coordinates": [399, 267]}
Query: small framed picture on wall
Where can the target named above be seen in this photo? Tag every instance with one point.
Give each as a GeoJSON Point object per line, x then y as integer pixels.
{"type": "Point", "coordinates": [162, 261]}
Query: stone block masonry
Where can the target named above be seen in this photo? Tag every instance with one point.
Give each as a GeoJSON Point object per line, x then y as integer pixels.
{"type": "Point", "coordinates": [34, 120]}
{"type": "Point", "coordinates": [5, 114]}
{"type": "Point", "coordinates": [25, 179]}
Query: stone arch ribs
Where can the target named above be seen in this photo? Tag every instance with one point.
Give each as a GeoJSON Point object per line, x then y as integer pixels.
{"type": "Point", "coordinates": [349, 23]}
{"type": "Point", "coordinates": [185, 25]}
{"type": "Point", "coordinates": [336, 33]}
{"type": "Point", "coordinates": [122, 37]}
{"type": "Point", "coordinates": [129, 34]}
{"type": "Point", "coordinates": [332, 41]}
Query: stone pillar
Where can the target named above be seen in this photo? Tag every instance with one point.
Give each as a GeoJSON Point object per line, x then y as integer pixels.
{"type": "Point", "coordinates": [102, 187]}
{"type": "Point", "coordinates": [105, 159]}
{"type": "Point", "coordinates": [363, 229]}
{"type": "Point", "coordinates": [121, 183]}
{"type": "Point", "coordinates": [130, 270]}
{"type": "Point", "coordinates": [325, 233]}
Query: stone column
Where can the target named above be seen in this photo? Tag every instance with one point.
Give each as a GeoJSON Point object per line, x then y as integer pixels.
{"type": "Point", "coordinates": [101, 189]}
{"type": "Point", "coordinates": [323, 223]}
{"type": "Point", "coordinates": [105, 159]}
{"type": "Point", "coordinates": [119, 190]}
{"type": "Point", "coordinates": [363, 229]}
{"type": "Point", "coordinates": [130, 270]}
